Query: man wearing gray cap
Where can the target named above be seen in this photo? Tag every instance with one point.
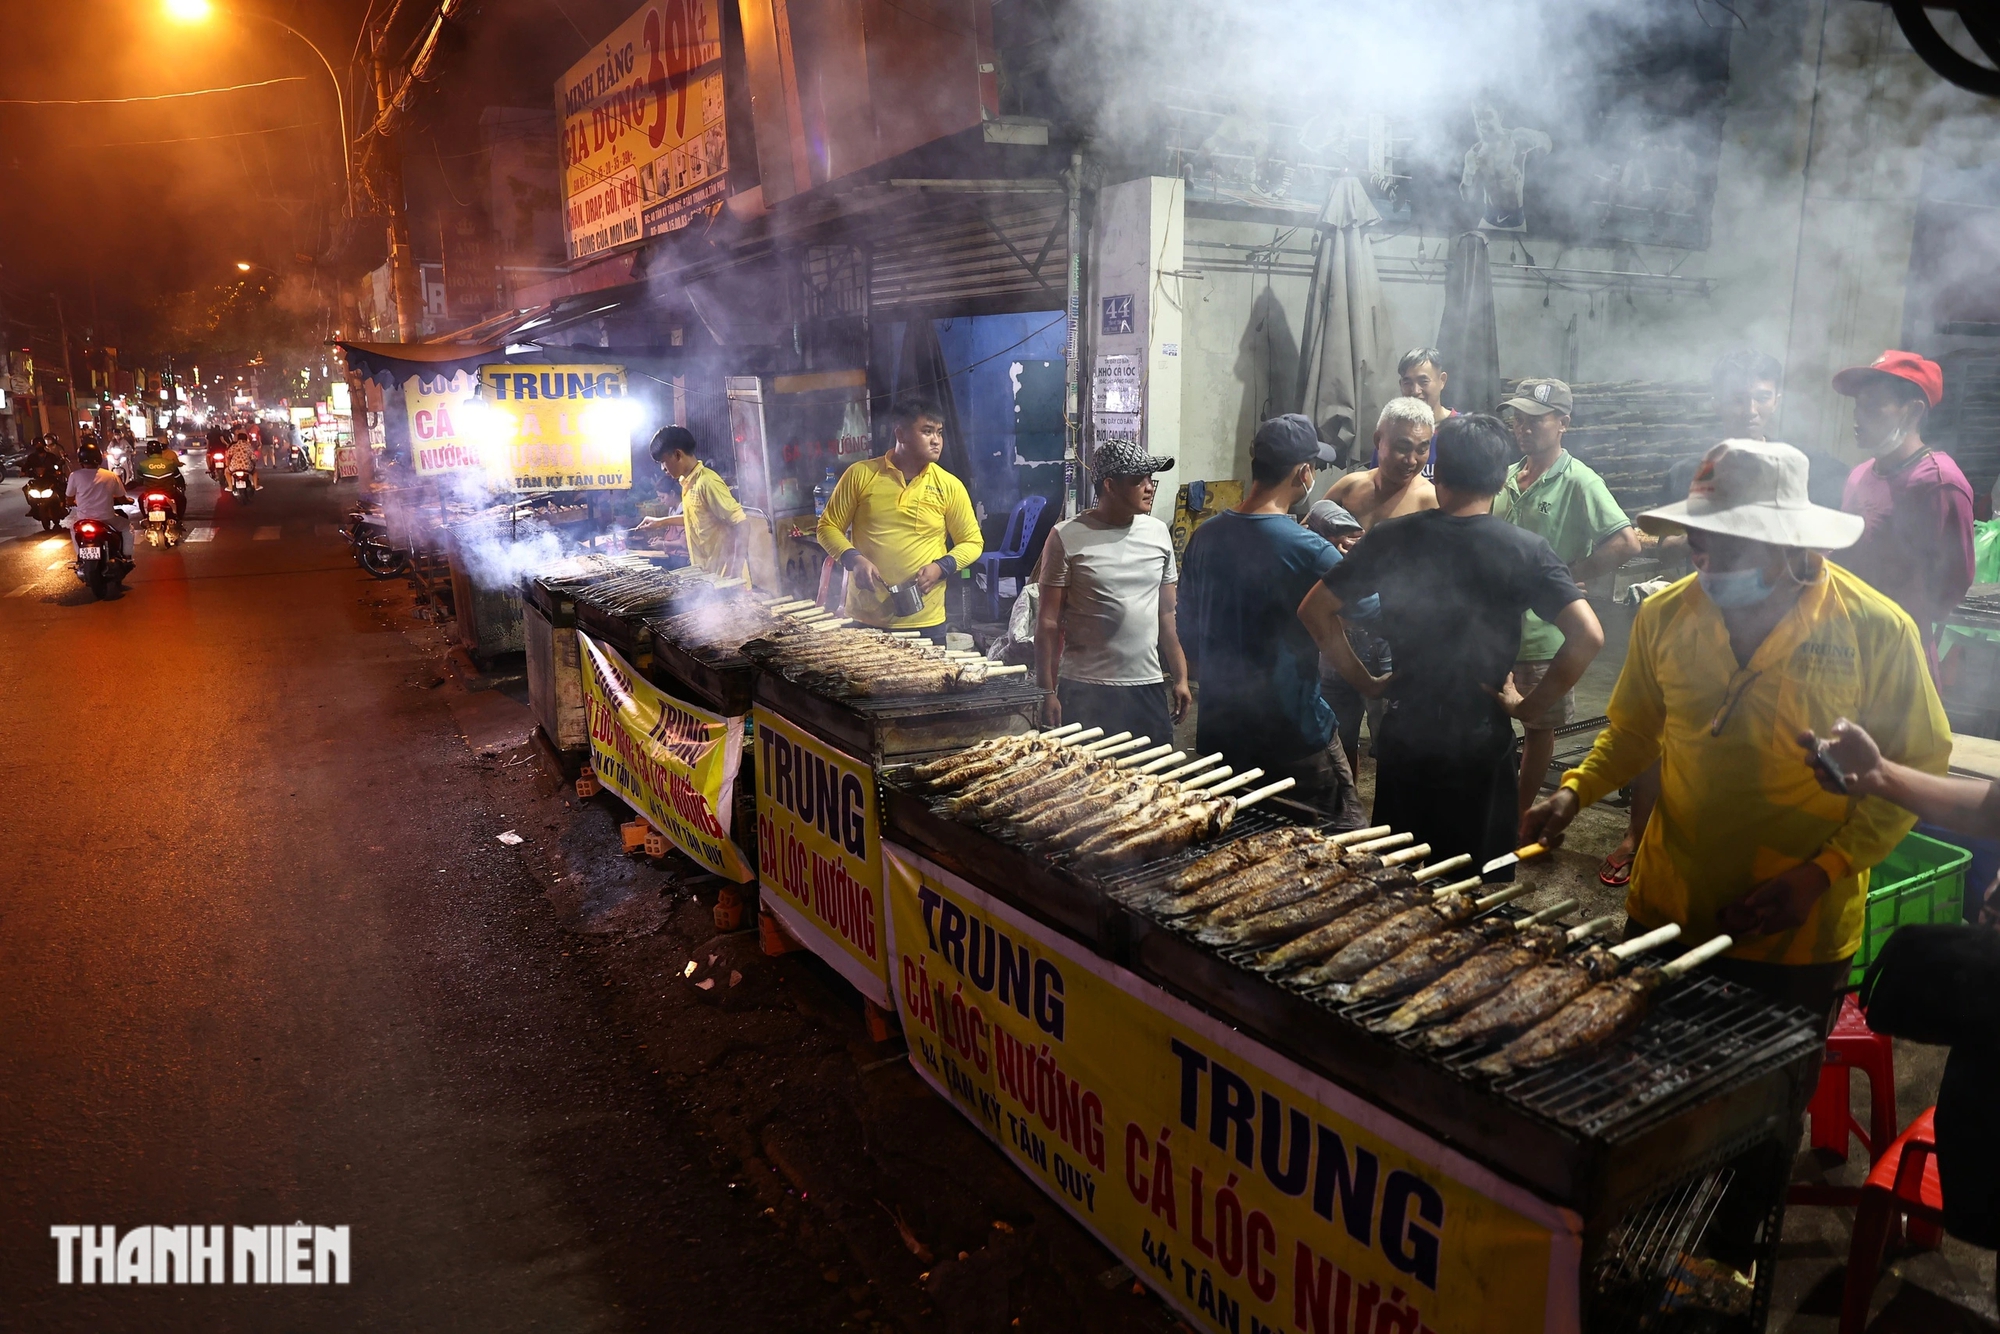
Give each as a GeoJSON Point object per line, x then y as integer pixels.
{"type": "Point", "coordinates": [1105, 641]}
{"type": "Point", "coordinates": [1246, 572]}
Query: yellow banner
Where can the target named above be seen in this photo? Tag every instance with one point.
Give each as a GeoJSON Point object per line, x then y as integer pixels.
{"type": "Point", "coordinates": [1250, 1192]}
{"type": "Point", "coordinates": [819, 851]}
{"type": "Point", "coordinates": [673, 763]}
{"type": "Point", "coordinates": [555, 428]}
{"type": "Point", "coordinates": [644, 146]}
{"type": "Point", "coordinates": [435, 407]}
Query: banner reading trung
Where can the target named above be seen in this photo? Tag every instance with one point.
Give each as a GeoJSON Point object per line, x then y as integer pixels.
{"type": "Point", "coordinates": [1252, 1193]}
{"type": "Point", "coordinates": [673, 763]}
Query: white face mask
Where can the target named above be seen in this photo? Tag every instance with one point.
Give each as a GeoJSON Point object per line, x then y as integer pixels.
{"type": "Point", "coordinates": [1891, 442]}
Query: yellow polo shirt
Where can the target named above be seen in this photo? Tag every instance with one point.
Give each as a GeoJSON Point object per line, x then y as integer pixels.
{"type": "Point", "coordinates": [709, 511]}
{"type": "Point", "coordinates": [901, 525]}
{"type": "Point", "coordinates": [1738, 803]}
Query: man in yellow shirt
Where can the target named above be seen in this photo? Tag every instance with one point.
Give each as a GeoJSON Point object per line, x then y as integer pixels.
{"type": "Point", "coordinates": [1726, 669]}
{"type": "Point", "coordinates": [900, 522]}
{"type": "Point", "coordinates": [716, 537]}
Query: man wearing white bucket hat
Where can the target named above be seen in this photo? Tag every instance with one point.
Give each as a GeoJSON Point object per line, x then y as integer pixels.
{"type": "Point", "coordinates": [1726, 668]}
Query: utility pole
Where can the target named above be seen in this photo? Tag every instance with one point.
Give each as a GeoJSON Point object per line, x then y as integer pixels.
{"type": "Point", "coordinates": [69, 376]}
{"type": "Point", "coordinates": [389, 166]}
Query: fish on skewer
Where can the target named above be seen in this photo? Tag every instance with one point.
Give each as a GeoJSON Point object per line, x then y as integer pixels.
{"type": "Point", "coordinates": [1434, 955]}
{"type": "Point", "coordinates": [1536, 993]}
{"type": "Point", "coordinates": [1605, 1013]}
{"type": "Point", "coordinates": [1147, 836]}
{"type": "Point", "coordinates": [1247, 852]}
{"type": "Point", "coordinates": [1305, 858]}
{"type": "Point", "coordinates": [1348, 894]}
{"type": "Point", "coordinates": [1485, 973]}
{"type": "Point", "coordinates": [1375, 947]}
{"type": "Point", "coordinates": [1309, 871]}
{"type": "Point", "coordinates": [962, 766]}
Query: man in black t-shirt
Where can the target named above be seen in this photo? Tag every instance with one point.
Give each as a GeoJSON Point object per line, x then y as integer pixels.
{"type": "Point", "coordinates": [1453, 583]}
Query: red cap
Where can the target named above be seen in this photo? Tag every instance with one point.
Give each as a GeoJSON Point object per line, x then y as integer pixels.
{"type": "Point", "coordinates": [1925, 375]}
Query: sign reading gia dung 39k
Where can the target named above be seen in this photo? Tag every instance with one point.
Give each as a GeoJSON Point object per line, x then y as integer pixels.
{"type": "Point", "coordinates": [1253, 1194]}
{"type": "Point", "coordinates": [819, 851]}
{"type": "Point", "coordinates": [673, 763]}
{"type": "Point", "coordinates": [644, 145]}
{"type": "Point", "coordinates": [435, 409]}
{"type": "Point", "coordinates": [560, 428]}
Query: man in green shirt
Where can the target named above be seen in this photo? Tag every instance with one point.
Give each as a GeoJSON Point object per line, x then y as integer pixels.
{"type": "Point", "coordinates": [1555, 495]}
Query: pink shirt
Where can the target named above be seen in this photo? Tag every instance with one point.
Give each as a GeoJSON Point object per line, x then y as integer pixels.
{"type": "Point", "coordinates": [1917, 547]}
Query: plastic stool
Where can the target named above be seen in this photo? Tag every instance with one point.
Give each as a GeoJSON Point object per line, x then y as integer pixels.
{"type": "Point", "coordinates": [1852, 1046]}
{"type": "Point", "coordinates": [1904, 1182]}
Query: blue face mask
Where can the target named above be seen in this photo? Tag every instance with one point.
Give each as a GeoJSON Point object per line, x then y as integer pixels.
{"type": "Point", "coordinates": [1730, 589]}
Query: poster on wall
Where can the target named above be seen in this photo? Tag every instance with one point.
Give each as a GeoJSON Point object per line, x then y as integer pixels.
{"type": "Point", "coordinates": [644, 146]}
{"type": "Point", "coordinates": [555, 428]}
{"type": "Point", "coordinates": [1248, 1191]}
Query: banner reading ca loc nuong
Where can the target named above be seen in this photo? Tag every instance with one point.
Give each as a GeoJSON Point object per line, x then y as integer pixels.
{"type": "Point", "coordinates": [819, 851]}
{"type": "Point", "coordinates": [1252, 1193]}
{"type": "Point", "coordinates": [672, 762]}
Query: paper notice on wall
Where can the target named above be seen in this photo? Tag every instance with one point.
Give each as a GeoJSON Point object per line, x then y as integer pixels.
{"type": "Point", "coordinates": [1117, 389]}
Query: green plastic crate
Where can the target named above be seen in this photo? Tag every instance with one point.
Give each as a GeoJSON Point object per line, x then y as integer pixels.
{"type": "Point", "coordinates": [1922, 881]}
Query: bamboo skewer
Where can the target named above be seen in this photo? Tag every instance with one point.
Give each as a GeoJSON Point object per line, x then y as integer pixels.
{"type": "Point", "coordinates": [1661, 936]}
{"type": "Point", "coordinates": [1595, 924]}
{"type": "Point", "coordinates": [1253, 798]}
{"type": "Point", "coordinates": [1353, 836]}
{"type": "Point", "coordinates": [1164, 762]}
{"type": "Point", "coordinates": [1448, 864]}
{"type": "Point", "coordinates": [1696, 957]}
{"type": "Point", "coordinates": [1108, 751]}
{"type": "Point", "coordinates": [1193, 765]}
{"type": "Point", "coordinates": [1201, 780]}
{"type": "Point", "coordinates": [1018, 669]}
{"type": "Point", "coordinates": [1130, 760]}
{"type": "Point", "coordinates": [1111, 740]}
{"type": "Point", "coordinates": [1244, 779]}
{"type": "Point", "coordinates": [1383, 844]}
{"type": "Point", "coordinates": [1416, 852]}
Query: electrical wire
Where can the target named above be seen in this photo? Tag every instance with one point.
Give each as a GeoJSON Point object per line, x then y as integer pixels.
{"type": "Point", "coordinates": [201, 138]}
{"type": "Point", "coordinates": [150, 97]}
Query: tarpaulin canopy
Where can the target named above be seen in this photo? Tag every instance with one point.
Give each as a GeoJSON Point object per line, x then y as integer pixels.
{"type": "Point", "coordinates": [1345, 362]}
{"type": "Point", "coordinates": [396, 362]}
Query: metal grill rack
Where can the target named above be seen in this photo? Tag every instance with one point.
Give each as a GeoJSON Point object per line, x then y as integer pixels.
{"type": "Point", "coordinates": [881, 729]}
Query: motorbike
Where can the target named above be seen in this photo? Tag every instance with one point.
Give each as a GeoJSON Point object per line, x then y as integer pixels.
{"type": "Point", "coordinates": [119, 459]}
{"type": "Point", "coordinates": [367, 531]}
{"type": "Point", "coordinates": [160, 507]}
{"type": "Point", "coordinates": [301, 459]}
{"type": "Point", "coordinates": [216, 458]}
{"type": "Point", "coordinates": [101, 561]}
{"type": "Point", "coordinates": [45, 499]}
{"type": "Point", "coordinates": [240, 487]}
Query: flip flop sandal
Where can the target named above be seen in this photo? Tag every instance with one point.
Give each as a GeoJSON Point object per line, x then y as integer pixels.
{"type": "Point", "coordinates": [1616, 874]}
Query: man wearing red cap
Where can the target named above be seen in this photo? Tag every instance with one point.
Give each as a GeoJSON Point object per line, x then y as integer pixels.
{"type": "Point", "coordinates": [1917, 505]}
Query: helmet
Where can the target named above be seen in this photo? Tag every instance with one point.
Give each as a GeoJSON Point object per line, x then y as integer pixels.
{"type": "Point", "coordinates": [155, 447]}
{"type": "Point", "coordinates": [89, 455]}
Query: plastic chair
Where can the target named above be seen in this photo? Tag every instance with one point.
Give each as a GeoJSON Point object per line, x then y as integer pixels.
{"type": "Point", "coordinates": [1904, 1183]}
{"type": "Point", "coordinates": [1012, 559]}
{"type": "Point", "coordinates": [1851, 1046]}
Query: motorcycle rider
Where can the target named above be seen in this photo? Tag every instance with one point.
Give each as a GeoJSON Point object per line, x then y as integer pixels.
{"type": "Point", "coordinates": [43, 465]}
{"type": "Point", "coordinates": [218, 442]}
{"type": "Point", "coordinates": [94, 491]}
{"type": "Point", "coordinates": [242, 458]}
{"type": "Point", "coordinates": [163, 464]}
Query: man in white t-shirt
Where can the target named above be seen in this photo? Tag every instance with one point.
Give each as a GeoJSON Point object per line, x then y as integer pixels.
{"type": "Point", "coordinates": [1105, 640]}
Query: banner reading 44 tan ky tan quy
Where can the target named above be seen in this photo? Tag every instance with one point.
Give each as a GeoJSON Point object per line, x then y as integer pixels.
{"type": "Point", "coordinates": [674, 763]}
{"type": "Point", "coordinates": [1252, 1193]}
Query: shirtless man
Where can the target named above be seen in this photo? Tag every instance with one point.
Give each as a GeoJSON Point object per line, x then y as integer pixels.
{"type": "Point", "coordinates": [1396, 485]}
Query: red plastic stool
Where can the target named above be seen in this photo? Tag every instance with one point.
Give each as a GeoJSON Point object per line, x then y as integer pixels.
{"type": "Point", "coordinates": [1852, 1046]}
{"type": "Point", "coordinates": [1903, 1183]}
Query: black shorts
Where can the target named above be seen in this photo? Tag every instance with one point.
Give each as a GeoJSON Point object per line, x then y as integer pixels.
{"type": "Point", "coordinates": [1142, 710]}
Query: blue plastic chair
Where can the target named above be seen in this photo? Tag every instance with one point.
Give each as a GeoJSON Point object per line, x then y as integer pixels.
{"type": "Point", "coordinates": [1012, 559]}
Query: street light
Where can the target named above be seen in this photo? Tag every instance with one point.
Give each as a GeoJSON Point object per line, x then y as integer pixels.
{"type": "Point", "coordinates": [244, 266]}
{"type": "Point", "coordinates": [200, 11]}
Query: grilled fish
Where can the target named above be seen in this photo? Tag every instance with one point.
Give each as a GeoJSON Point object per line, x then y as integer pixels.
{"type": "Point", "coordinates": [1385, 941]}
{"type": "Point", "coordinates": [1473, 980]}
{"type": "Point", "coordinates": [1191, 822]}
{"type": "Point", "coordinates": [1433, 956]}
{"type": "Point", "coordinates": [976, 762]}
{"type": "Point", "coordinates": [1529, 998]}
{"type": "Point", "coordinates": [1240, 855]}
{"type": "Point", "coordinates": [1600, 1016]}
{"type": "Point", "coordinates": [1303, 870]}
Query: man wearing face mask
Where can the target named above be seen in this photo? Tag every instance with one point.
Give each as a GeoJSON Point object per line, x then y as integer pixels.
{"type": "Point", "coordinates": [1766, 641]}
{"type": "Point", "coordinates": [1914, 501]}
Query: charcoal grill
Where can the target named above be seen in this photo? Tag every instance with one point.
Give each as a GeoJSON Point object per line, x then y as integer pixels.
{"type": "Point", "coordinates": [719, 677]}
{"type": "Point", "coordinates": [1714, 1071]}
{"type": "Point", "coordinates": [882, 728]}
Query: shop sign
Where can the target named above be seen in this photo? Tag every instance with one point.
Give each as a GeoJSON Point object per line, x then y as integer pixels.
{"type": "Point", "coordinates": [670, 761]}
{"type": "Point", "coordinates": [435, 409]}
{"type": "Point", "coordinates": [1248, 1191]}
{"type": "Point", "coordinates": [819, 851]}
{"type": "Point", "coordinates": [555, 428]}
{"type": "Point", "coordinates": [644, 146]}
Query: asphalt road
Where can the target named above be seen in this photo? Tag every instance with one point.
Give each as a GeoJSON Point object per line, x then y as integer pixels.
{"type": "Point", "coordinates": [262, 962]}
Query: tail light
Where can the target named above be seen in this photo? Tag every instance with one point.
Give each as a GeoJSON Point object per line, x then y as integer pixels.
{"type": "Point", "coordinates": [87, 528]}
{"type": "Point", "coordinates": [219, 455]}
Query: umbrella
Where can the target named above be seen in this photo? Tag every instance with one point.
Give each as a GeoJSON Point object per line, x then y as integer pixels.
{"type": "Point", "coordinates": [1466, 334]}
{"type": "Point", "coordinates": [1344, 364]}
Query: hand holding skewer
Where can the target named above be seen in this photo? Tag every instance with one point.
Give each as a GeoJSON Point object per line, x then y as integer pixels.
{"type": "Point", "coordinates": [1545, 821]}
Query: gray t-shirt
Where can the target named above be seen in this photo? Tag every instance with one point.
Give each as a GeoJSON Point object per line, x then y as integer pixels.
{"type": "Point", "coordinates": [93, 492]}
{"type": "Point", "coordinates": [1111, 580]}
